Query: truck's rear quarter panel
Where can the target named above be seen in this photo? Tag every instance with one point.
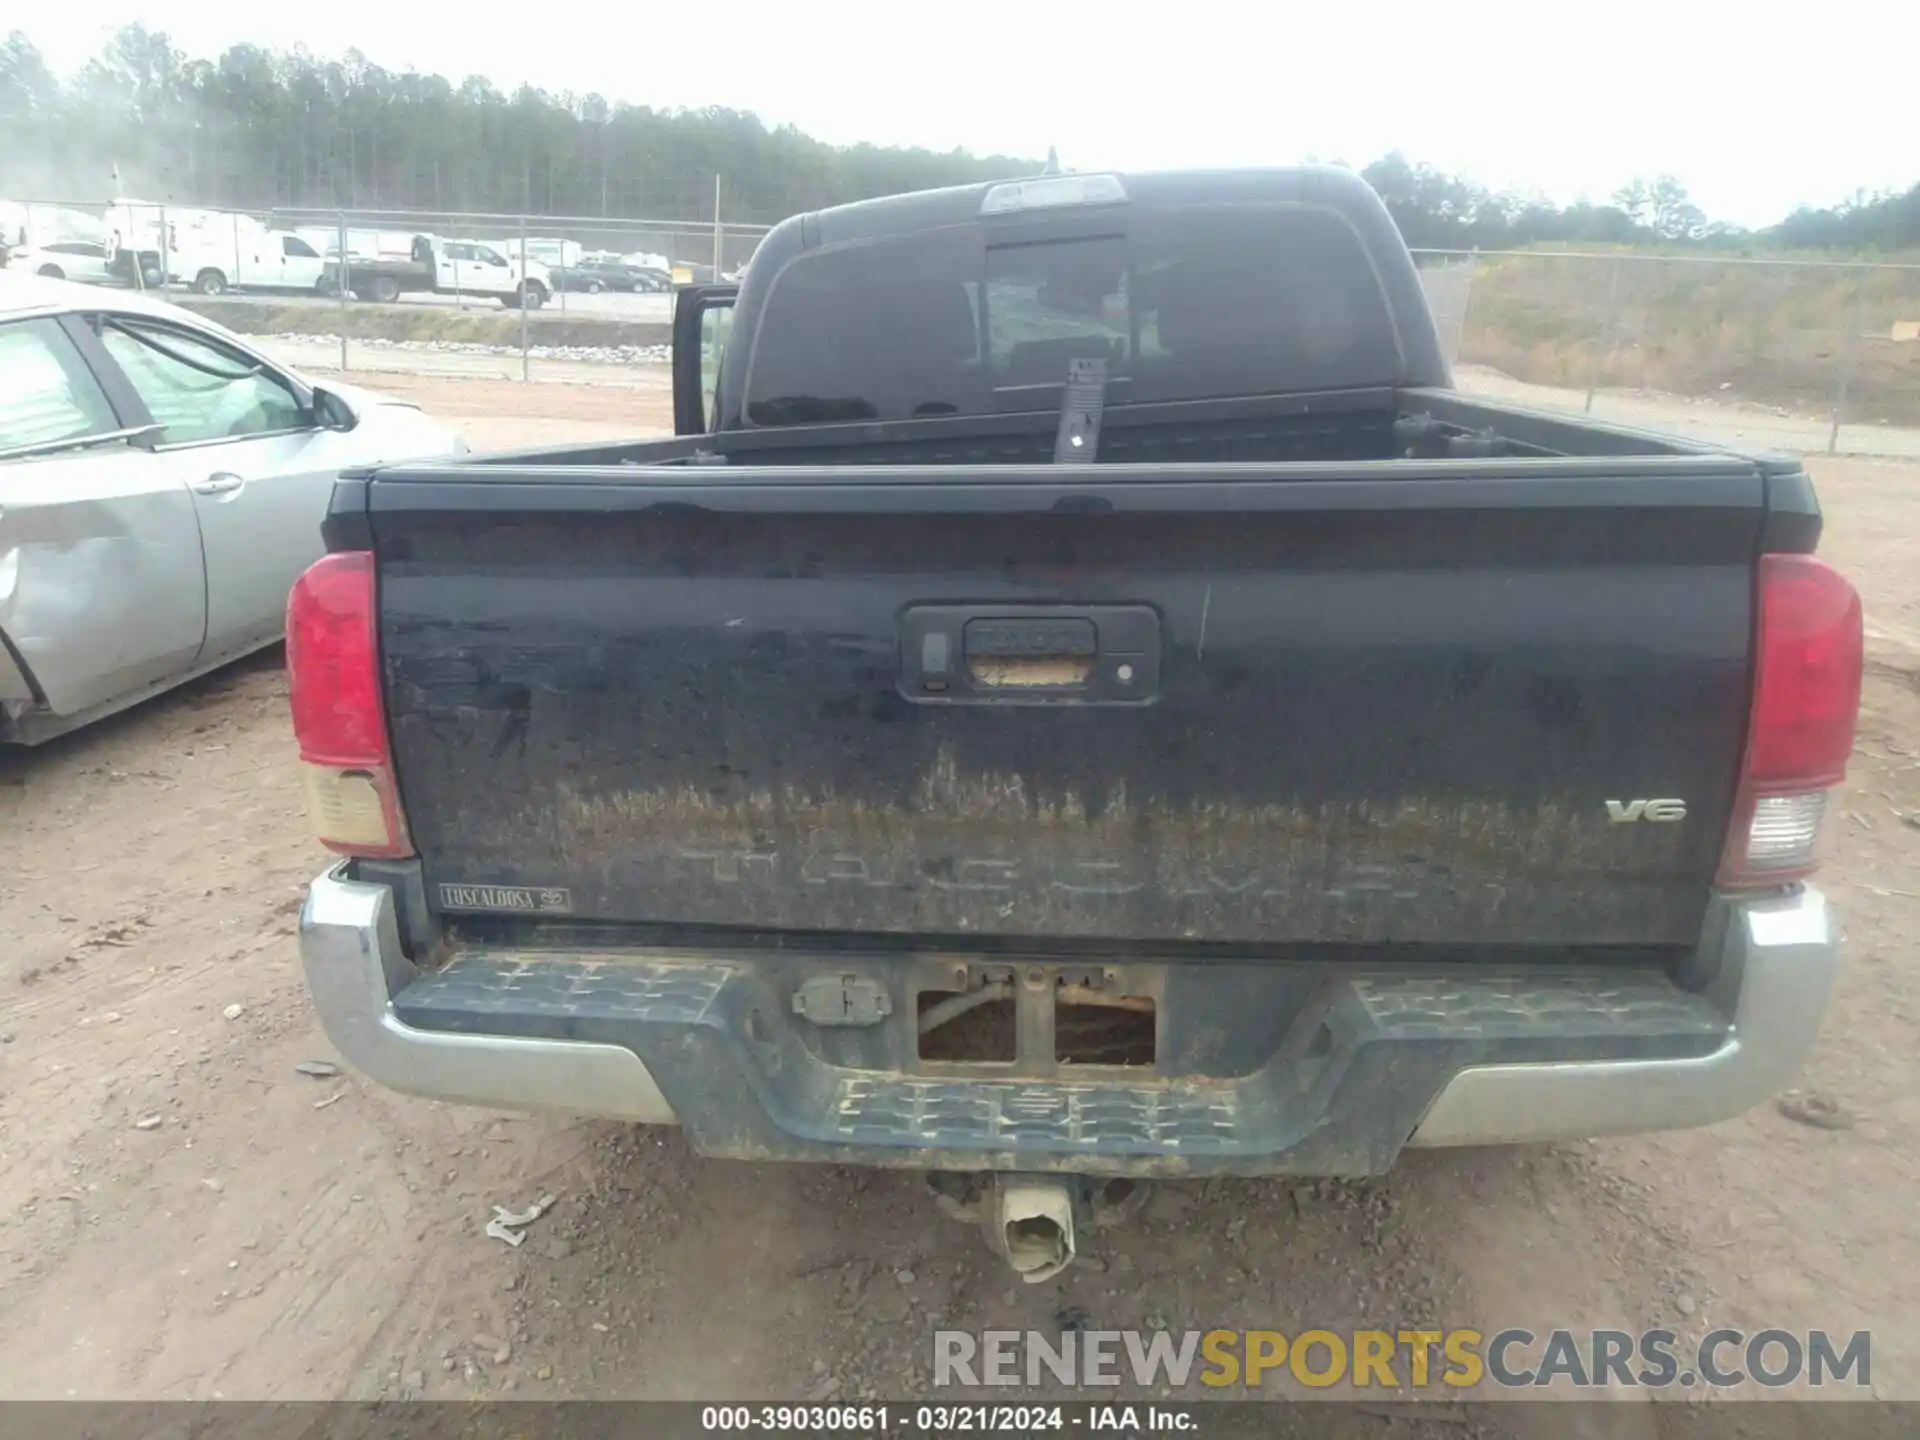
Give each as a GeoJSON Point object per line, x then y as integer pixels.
{"type": "Point", "coordinates": [1384, 710]}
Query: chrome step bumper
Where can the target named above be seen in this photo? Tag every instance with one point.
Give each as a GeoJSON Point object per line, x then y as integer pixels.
{"type": "Point", "coordinates": [1778, 957]}
{"type": "Point", "coordinates": [440, 1034]}
{"type": "Point", "coordinates": [350, 948]}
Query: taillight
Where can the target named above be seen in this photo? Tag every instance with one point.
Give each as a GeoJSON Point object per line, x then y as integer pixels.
{"type": "Point", "coordinates": [1806, 698]}
{"type": "Point", "coordinates": [333, 677]}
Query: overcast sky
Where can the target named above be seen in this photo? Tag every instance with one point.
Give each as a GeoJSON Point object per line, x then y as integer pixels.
{"type": "Point", "coordinates": [1755, 115]}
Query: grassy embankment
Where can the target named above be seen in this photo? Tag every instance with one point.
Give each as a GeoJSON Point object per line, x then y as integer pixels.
{"type": "Point", "coordinates": [1775, 335]}
{"type": "Point", "coordinates": [477, 324]}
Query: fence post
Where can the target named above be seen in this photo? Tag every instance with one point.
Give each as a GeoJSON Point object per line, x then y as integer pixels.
{"type": "Point", "coordinates": [1466, 303]}
{"type": "Point", "coordinates": [162, 248]}
{"type": "Point", "coordinates": [459, 297]}
{"type": "Point", "coordinates": [1608, 329]}
{"type": "Point", "coordinates": [718, 255]}
{"type": "Point", "coordinates": [1849, 352]}
{"type": "Point", "coordinates": [526, 293]}
{"type": "Point", "coordinates": [133, 255]}
{"type": "Point", "coordinates": [345, 284]}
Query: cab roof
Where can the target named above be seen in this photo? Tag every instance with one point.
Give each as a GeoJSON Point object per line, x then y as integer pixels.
{"type": "Point", "coordinates": [888, 215]}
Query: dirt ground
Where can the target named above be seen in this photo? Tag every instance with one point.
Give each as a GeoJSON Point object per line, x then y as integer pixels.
{"type": "Point", "coordinates": [185, 1215]}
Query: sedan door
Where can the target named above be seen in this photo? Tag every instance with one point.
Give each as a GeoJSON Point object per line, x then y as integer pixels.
{"type": "Point", "coordinates": [102, 589]}
{"type": "Point", "coordinates": [242, 439]}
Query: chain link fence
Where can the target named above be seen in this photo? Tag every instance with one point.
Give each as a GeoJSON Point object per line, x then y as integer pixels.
{"type": "Point", "coordinates": [599, 290]}
{"type": "Point", "coordinates": [602, 292]}
{"type": "Point", "coordinates": [1804, 355]}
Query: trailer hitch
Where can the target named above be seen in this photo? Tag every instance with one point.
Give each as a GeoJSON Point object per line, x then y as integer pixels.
{"type": "Point", "coordinates": [1034, 1222]}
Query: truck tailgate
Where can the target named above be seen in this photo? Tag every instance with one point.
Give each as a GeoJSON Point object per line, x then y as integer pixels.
{"type": "Point", "coordinates": [1257, 706]}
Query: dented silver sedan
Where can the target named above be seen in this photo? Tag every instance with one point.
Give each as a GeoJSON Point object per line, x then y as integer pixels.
{"type": "Point", "coordinates": [162, 485]}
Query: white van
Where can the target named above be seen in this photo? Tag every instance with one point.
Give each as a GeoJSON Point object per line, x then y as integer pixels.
{"type": "Point", "coordinates": [249, 257]}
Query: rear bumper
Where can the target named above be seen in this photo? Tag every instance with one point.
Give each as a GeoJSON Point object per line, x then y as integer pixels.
{"type": "Point", "coordinates": [1776, 963]}
{"type": "Point", "coordinates": [350, 948]}
{"type": "Point", "coordinates": [1370, 1063]}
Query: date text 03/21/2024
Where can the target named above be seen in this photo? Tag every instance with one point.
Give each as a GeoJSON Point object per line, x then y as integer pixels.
{"type": "Point", "coordinates": [946, 1419]}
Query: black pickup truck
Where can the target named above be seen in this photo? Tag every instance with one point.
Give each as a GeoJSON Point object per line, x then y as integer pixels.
{"type": "Point", "coordinates": [1081, 700]}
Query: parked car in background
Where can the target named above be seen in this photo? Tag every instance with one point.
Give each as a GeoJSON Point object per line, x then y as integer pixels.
{"type": "Point", "coordinates": [594, 276]}
{"type": "Point", "coordinates": [87, 262]}
{"type": "Point", "coordinates": [162, 485]}
{"type": "Point", "coordinates": [82, 260]}
{"type": "Point", "coordinates": [583, 279]}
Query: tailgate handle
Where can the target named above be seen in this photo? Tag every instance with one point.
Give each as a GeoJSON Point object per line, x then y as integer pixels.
{"type": "Point", "coordinates": [1030, 652]}
{"type": "Point", "coordinates": [987, 654]}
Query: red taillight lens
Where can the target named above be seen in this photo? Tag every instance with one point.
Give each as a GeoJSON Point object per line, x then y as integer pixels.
{"type": "Point", "coordinates": [1807, 695]}
{"type": "Point", "coordinates": [332, 671]}
{"type": "Point", "coordinates": [333, 678]}
{"type": "Point", "coordinates": [1806, 700]}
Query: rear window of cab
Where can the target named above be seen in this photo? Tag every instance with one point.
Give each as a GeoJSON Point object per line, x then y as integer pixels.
{"type": "Point", "coordinates": [1182, 303]}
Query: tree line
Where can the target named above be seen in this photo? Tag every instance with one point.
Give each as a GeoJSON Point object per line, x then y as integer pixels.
{"type": "Point", "coordinates": [1439, 211]}
{"type": "Point", "coordinates": [260, 129]}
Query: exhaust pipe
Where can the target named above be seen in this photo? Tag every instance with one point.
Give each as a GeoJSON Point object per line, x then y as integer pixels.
{"type": "Point", "coordinates": [1032, 1225]}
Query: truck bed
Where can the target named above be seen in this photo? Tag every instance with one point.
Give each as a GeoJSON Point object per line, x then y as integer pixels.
{"type": "Point", "coordinates": [407, 275]}
{"type": "Point", "coordinates": [1253, 682]}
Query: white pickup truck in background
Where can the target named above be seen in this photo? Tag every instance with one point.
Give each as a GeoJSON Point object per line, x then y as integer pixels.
{"type": "Point", "coordinates": [447, 267]}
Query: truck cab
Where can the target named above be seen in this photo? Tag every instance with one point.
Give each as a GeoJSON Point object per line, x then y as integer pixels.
{"type": "Point", "coordinates": [478, 267]}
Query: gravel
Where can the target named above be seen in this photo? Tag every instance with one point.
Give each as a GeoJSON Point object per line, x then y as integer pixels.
{"type": "Point", "coordinates": [590, 354]}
